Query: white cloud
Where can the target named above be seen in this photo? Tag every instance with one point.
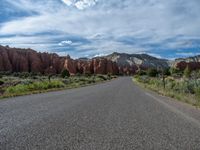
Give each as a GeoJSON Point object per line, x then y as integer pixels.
{"type": "Point", "coordinates": [68, 2]}
{"type": "Point", "coordinates": [82, 4]}
{"type": "Point", "coordinates": [154, 55]}
{"type": "Point", "coordinates": [63, 43]}
{"type": "Point", "coordinates": [100, 55]}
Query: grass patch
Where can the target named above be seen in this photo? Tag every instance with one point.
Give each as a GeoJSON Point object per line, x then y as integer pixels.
{"type": "Point", "coordinates": [22, 89]}
{"type": "Point", "coordinates": [17, 86]}
{"type": "Point", "coordinates": [185, 91]}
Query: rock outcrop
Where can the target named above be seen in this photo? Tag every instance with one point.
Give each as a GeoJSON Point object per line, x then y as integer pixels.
{"type": "Point", "coordinates": [132, 62]}
{"type": "Point", "coordinates": [27, 60]}
{"type": "Point", "coordinates": [91, 66]}
{"type": "Point", "coordinates": [192, 62]}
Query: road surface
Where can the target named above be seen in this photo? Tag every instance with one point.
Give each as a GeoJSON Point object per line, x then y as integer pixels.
{"type": "Point", "coordinates": [116, 115]}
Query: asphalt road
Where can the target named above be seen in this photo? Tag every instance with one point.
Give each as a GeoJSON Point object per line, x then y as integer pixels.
{"type": "Point", "coordinates": [116, 115]}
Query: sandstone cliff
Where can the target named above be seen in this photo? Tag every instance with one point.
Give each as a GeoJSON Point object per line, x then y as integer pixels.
{"type": "Point", "coordinates": [27, 60]}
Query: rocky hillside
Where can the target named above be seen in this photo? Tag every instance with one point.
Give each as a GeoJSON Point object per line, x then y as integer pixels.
{"type": "Point", "coordinates": [142, 61]}
{"type": "Point", "coordinates": [192, 62]}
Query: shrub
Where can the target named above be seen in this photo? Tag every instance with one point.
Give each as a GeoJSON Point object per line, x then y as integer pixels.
{"type": "Point", "coordinates": [1, 82]}
{"type": "Point", "coordinates": [187, 72]}
{"type": "Point", "coordinates": [197, 94]}
{"type": "Point", "coordinates": [141, 73]}
{"type": "Point", "coordinates": [65, 73]}
{"type": "Point", "coordinates": [166, 72]}
{"type": "Point", "coordinates": [36, 86]}
{"type": "Point", "coordinates": [109, 75]}
{"type": "Point", "coordinates": [152, 72]}
{"type": "Point", "coordinates": [5, 73]}
{"type": "Point", "coordinates": [174, 70]}
{"type": "Point", "coordinates": [101, 77]}
{"type": "Point", "coordinates": [88, 74]}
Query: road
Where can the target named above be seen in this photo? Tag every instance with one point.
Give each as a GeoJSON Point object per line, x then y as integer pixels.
{"type": "Point", "coordinates": [117, 115]}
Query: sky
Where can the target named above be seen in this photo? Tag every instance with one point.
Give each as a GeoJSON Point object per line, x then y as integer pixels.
{"type": "Point", "coordinates": [88, 28]}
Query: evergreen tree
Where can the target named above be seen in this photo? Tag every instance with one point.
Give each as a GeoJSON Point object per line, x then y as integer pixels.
{"type": "Point", "coordinates": [65, 73]}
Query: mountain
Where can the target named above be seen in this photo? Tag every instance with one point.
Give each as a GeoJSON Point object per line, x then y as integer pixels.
{"type": "Point", "coordinates": [28, 60]}
{"type": "Point", "coordinates": [139, 60]}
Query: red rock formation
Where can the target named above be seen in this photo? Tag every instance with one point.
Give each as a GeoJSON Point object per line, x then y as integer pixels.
{"type": "Point", "coordinates": [21, 60]}
{"type": "Point", "coordinates": [85, 67]}
{"type": "Point", "coordinates": [27, 60]}
{"type": "Point", "coordinates": [71, 66]}
{"type": "Point", "coordinates": [192, 65]}
{"type": "Point", "coordinates": [4, 61]}
{"type": "Point", "coordinates": [99, 66]}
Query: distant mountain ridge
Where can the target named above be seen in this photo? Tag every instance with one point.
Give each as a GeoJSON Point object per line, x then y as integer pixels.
{"type": "Point", "coordinates": [28, 60]}
{"type": "Point", "coordinates": [139, 60]}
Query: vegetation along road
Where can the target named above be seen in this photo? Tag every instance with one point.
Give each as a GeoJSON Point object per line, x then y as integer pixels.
{"type": "Point", "coordinates": [114, 115]}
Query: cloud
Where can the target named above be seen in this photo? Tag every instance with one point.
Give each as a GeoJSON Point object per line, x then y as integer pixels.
{"type": "Point", "coordinates": [68, 2]}
{"type": "Point", "coordinates": [155, 26]}
{"type": "Point", "coordinates": [100, 55]}
{"type": "Point", "coordinates": [63, 43]}
{"type": "Point", "coordinates": [80, 4]}
{"type": "Point", "coordinates": [155, 55]}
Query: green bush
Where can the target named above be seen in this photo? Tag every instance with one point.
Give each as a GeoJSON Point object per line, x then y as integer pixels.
{"type": "Point", "coordinates": [65, 73]}
{"type": "Point", "coordinates": [5, 73]}
{"type": "Point", "coordinates": [1, 82]}
{"type": "Point", "coordinates": [36, 86]}
{"type": "Point", "coordinates": [187, 72]}
{"type": "Point", "coordinates": [197, 93]}
{"type": "Point", "coordinates": [152, 72]}
{"type": "Point", "coordinates": [167, 72]}
{"type": "Point", "coordinates": [101, 77]}
{"type": "Point", "coordinates": [174, 70]}
{"type": "Point", "coordinates": [142, 72]}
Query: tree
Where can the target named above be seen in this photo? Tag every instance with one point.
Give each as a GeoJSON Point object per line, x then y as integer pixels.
{"type": "Point", "coordinates": [49, 77]}
{"type": "Point", "coordinates": [65, 73]}
{"type": "Point", "coordinates": [141, 73]}
{"type": "Point", "coordinates": [152, 72]}
{"type": "Point", "coordinates": [174, 70]}
{"type": "Point", "coordinates": [1, 82]}
{"type": "Point", "coordinates": [187, 72]}
{"type": "Point", "coordinates": [166, 72]}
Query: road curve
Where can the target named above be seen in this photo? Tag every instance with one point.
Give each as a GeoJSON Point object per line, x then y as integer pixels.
{"type": "Point", "coordinates": [116, 115]}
